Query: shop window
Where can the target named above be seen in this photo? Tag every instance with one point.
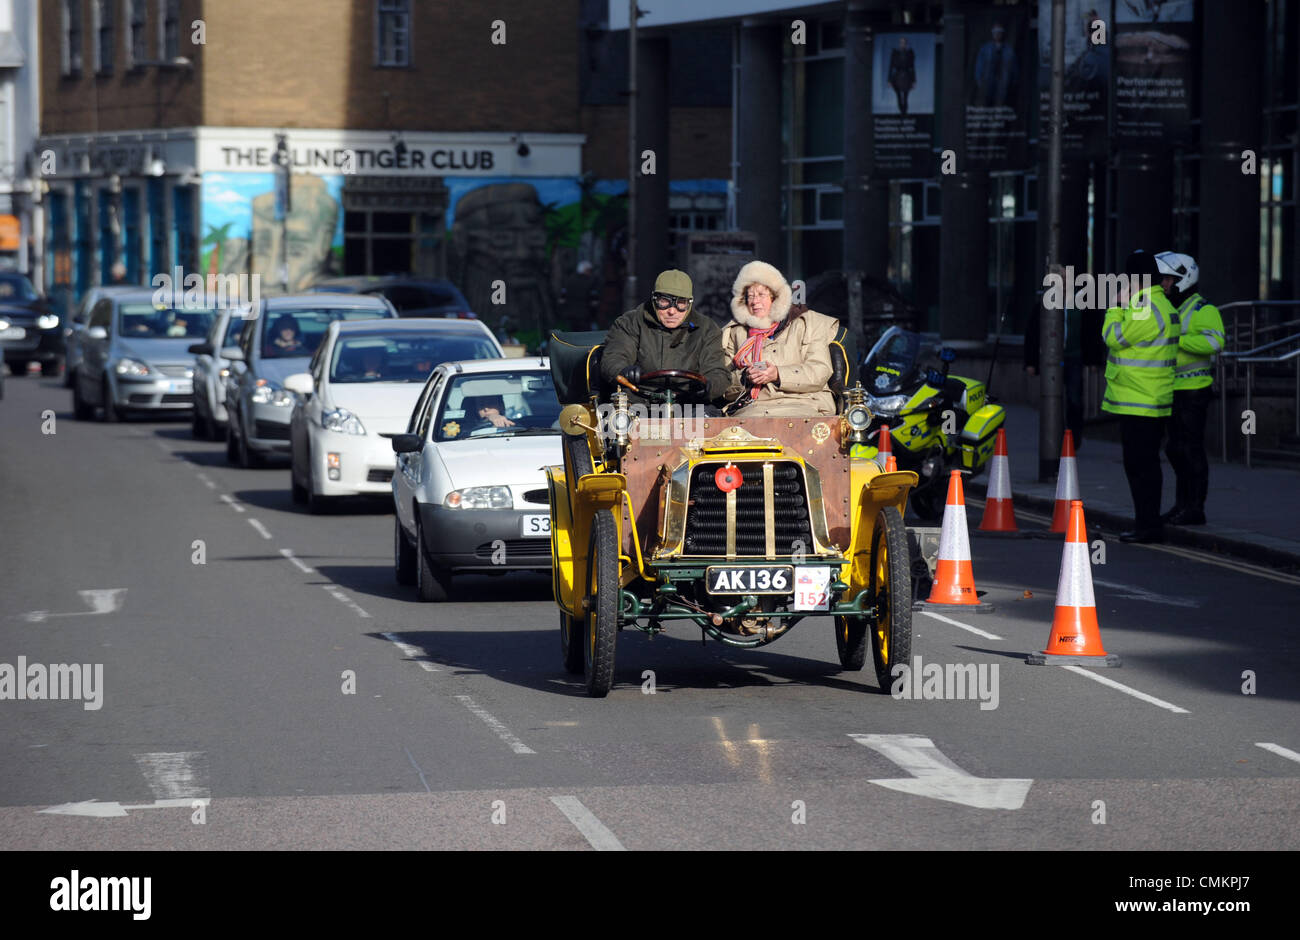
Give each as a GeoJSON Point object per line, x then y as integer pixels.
{"type": "Point", "coordinates": [393, 33]}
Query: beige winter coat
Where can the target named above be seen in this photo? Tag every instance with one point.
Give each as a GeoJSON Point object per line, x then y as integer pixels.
{"type": "Point", "coordinates": [800, 349]}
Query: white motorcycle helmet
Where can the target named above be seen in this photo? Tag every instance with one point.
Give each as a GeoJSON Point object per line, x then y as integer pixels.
{"type": "Point", "coordinates": [1183, 267]}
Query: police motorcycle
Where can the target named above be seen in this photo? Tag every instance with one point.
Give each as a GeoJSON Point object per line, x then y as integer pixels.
{"type": "Point", "coordinates": [937, 422]}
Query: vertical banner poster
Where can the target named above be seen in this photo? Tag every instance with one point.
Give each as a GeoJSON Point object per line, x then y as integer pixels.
{"type": "Point", "coordinates": [902, 103]}
{"type": "Point", "coordinates": [998, 84]}
{"type": "Point", "coordinates": [1087, 75]}
{"type": "Point", "coordinates": [1154, 45]}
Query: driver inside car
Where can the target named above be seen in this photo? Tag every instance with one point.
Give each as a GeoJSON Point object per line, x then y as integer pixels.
{"type": "Point", "coordinates": [663, 334]}
{"type": "Point", "coordinates": [487, 411]}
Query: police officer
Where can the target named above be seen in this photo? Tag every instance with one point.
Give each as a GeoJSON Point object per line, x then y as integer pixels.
{"type": "Point", "coordinates": [1142, 337]}
{"type": "Point", "coordinates": [1200, 339]}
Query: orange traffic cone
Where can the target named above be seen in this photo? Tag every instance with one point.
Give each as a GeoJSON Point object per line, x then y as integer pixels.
{"type": "Point", "coordinates": [954, 580]}
{"type": "Point", "coordinates": [884, 447]}
{"type": "Point", "coordinates": [890, 464]}
{"type": "Point", "coordinates": [1067, 485]}
{"type": "Point", "coordinates": [999, 516]}
{"type": "Point", "coordinates": [1075, 637]}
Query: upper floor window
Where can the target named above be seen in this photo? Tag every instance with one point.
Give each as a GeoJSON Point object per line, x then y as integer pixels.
{"type": "Point", "coordinates": [137, 48]}
{"type": "Point", "coordinates": [393, 32]}
{"type": "Point", "coordinates": [169, 35]}
{"type": "Point", "coordinates": [104, 36]}
{"type": "Point", "coordinates": [72, 37]}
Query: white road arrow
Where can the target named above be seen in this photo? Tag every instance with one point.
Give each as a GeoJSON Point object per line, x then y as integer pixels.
{"type": "Point", "coordinates": [96, 808]}
{"type": "Point", "coordinates": [937, 777]}
{"type": "Point", "coordinates": [99, 600]}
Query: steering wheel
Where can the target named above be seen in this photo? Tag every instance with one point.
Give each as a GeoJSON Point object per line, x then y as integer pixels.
{"type": "Point", "coordinates": [667, 385]}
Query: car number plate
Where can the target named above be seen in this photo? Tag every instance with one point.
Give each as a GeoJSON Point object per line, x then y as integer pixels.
{"type": "Point", "coordinates": [535, 526]}
{"type": "Point", "coordinates": [812, 588]}
{"type": "Point", "coordinates": [777, 579]}
{"type": "Point", "coordinates": [184, 387]}
{"type": "Point", "coordinates": [14, 332]}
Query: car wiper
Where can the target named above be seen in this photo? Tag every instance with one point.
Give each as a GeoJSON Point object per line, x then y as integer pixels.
{"type": "Point", "coordinates": [514, 432]}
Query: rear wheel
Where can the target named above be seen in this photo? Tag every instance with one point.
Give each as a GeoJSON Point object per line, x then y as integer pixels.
{"type": "Point", "coordinates": [928, 501]}
{"type": "Point", "coordinates": [851, 642]}
{"type": "Point", "coordinates": [603, 590]}
{"type": "Point", "coordinates": [81, 409]}
{"type": "Point", "coordinates": [432, 582]}
{"type": "Point", "coordinates": [403, 556]}
{"type": "Point", "coordinates": [891, 589]}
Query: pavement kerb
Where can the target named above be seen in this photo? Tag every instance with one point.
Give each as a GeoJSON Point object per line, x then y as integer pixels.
{"type": "Point", "coordinates": [1208, 540]}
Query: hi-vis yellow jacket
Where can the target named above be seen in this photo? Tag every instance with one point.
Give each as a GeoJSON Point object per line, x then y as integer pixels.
{"type": "Point", "coordinates": [1200, 340]}
{"type": "Point", "coordinates": [1143, 341]}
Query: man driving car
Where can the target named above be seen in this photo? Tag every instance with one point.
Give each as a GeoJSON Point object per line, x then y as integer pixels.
{"type": "Point", "coordinates": [662, 334]}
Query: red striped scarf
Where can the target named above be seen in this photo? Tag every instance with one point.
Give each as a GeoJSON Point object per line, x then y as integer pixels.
{"type": "Point", "coordinates": [751, 351]}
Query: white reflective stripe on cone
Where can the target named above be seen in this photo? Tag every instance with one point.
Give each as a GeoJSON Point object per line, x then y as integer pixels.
{"type": "Point", "coordinates": [1074, 589]}
{"type": "Point", "coordinates": [954, 544]}
{"type": "Point", "coordinates": [1067, 481]}
{"type": "Point", "coordinates": [999, 479]}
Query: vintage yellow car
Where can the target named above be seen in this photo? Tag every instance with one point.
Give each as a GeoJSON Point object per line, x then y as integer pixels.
{"type": "Point", "coordinates": [744, 526]}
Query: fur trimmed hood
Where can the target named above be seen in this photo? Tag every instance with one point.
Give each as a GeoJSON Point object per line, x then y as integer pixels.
{"type": "Point", "coordinates": [760, 272]}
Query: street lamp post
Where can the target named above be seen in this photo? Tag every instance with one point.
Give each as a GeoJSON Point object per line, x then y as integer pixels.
{"type": "Point", "coordinates": [283, 165]}
{"type": "Point", "coordinates": [632, 294]}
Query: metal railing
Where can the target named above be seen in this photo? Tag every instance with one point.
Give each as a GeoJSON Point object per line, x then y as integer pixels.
{"type": "Point", "coordinates": [1246, 332]}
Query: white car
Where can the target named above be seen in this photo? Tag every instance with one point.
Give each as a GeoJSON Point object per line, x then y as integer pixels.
{"type": "Point", "coordinates": [364, 380]}
{"type": "Point", "coordinates": [470, 493]}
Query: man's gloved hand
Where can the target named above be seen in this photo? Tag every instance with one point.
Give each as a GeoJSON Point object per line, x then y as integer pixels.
{"type": "Point", "coordinates": [632, 373]}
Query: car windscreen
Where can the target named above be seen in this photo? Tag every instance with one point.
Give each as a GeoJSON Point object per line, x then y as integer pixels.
{"type": "Point", "coordinates": [234, 327]}
{"type": "Point", "coordinates": [488, 404]}
{"type": "Point", "coordinates": [296, 333]}
{"type": "Point", "coordinates": [149, 321]}
{"type": "Point", "coordinates": [402, 357]}
{"type": "Point", "coordinates": [16, 288]}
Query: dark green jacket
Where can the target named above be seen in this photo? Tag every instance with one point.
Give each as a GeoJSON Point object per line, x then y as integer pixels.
{"type": "Point", "coordinates": [638, 337]}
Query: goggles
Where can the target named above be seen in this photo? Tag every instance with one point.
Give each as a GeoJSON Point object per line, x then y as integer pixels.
{"type": "Point", "coordinates": [664, 301]}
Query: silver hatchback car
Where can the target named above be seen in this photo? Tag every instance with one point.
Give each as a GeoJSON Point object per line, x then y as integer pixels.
{"type": "Point", "coordinates": [135, 357]}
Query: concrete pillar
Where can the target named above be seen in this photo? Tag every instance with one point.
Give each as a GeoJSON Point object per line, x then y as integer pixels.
{"type": "Point", "coordinates": [652, 188]}
{"type": "Point", "coordinates": [866, 200]}
{"type": "Point", "coordinates": [758, 131]}
{"type": "Point", "coordinates": [964, 235]}
{"type": "Point", "coordinates": [1228, 242]}
{"type": "Point", "coordinates": [1144, 199]}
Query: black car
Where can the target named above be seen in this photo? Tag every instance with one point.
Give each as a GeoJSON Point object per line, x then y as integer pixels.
{"type": "Point", "coordinates": [34, 333]}
{"type": "Point", "coordinates": [411, 296]}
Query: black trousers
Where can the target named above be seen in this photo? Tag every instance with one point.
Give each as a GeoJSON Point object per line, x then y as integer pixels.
{"type": "Point", "coordinates": [1186, 447]}
{"type": "Point", "coordinates": [1140, 437]}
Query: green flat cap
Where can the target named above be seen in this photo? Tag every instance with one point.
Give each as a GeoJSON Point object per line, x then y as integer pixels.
{"type": "Point", "coordinates": [674, 282]}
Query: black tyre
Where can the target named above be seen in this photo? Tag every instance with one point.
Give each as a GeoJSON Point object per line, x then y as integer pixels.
{"type": "Point", "coordinates": [232, 445]}
{"type": "Point", "coordinates": [50, 368]}
{"type": "Point", "coordinates": [248, 459]}
{"type": "Point", "coordinates": [111, 412]}
{"type": "Point", "coordinates": [891, 588]}
{"type": "Point", "coordinates": [18, 369]}
{"type": "Point", "coordinates": [603, 591]}
{"type": "Point", "coordinates": [403, 556]}
{"type": "Point", "coordinates": [577, 457]}
{"type": "Point", "coordinates": [198, 426]}
{"type": "Point", "coordinates": [851, 642]}
{"type": "Point", "coordinates": [927, 502]}
{"type": "Point", "coordinates": [81, 409]}
{"type": "Point", "coordinates": [571, 637]}
{"type": "Point", "coordinates": [69, 377]}
{"type": "Point", "coordinates": [297, 490]}
{"type": "Point", "coordinates": [433, 583]}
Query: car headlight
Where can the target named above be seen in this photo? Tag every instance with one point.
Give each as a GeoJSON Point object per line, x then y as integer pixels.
{"type": "Point", "coordinates": [47, 322]}
{"type": "Point", "coordinates": [224, 373]}
{"type": "Point", "coordinates": [270, 395]}
{"type": "Point", "coordinates": [343, 421]}
{"type": "Point", "coordinates": [889, 405]}
{"type": "Point", "coordinates": [4, 324]}
{"type": "Point", "coordinates": [133, 367]}
{"type": "Point", "coordinates": [480, 497]}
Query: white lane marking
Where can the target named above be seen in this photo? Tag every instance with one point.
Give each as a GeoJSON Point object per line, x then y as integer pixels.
{"type": "Point", "coordinates": [1132, 592]}
{"type": "Point", "coordinates": [99, 600]}
{"type": "Point", "coordinates": [342, 598]}
{"type": "Point", "coordinates": [1279, 750]}
{"type": "Point", "coordinates": [230, 501]}
{"type": "Point", "coordinates": [261, 529]}
{"type": "Point", "coordinates": [175, 775]}
{"type": "Point", "coordinates": [427, 789]}
{"type": "Point", "coordinates": [935, 776]}
{"type": "Point", "coordinates": [1241, 567]}
{"type": "Point", "coordinates": [502, 732]}
{"type": "Point", "coordinates": [592, 829]}
{"type": "Point", "coordinates": [957, 623]}
{"type": "Point", "coordinates": [412, 652]}
{"type": "Point", "coordinates": [206, 480]}
{"type": "Point", "coordinates": [1151, 699]}
{"type": "Point", "coordinates": [103, 810]}
{"type": "Point", "coordinates": [288, 553]}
